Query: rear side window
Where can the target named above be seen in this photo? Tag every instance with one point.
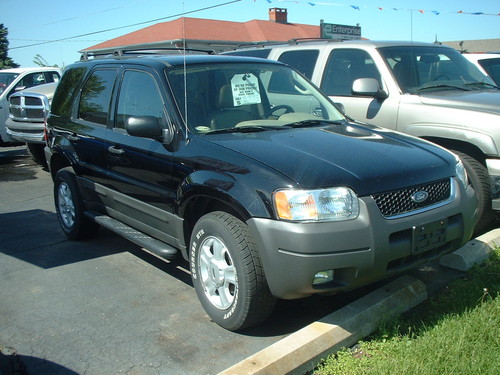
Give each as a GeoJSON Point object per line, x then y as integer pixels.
{"type": "Point", "coordinates": [61, 104]}
{"type": "Point", "coordinates": [304, 61]}
{"type": "Point", "coordinates": [95, 100]}
{"type": "Point", "coordinates": [344, 66]}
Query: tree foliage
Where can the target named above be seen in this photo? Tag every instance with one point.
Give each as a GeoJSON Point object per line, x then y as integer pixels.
{"type": "Point", "coordinates": [40, 61]}
{"type": "Point", "coordinates": [5, 60]}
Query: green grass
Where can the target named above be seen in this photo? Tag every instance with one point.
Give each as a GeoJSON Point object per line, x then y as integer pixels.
{"type": "Point", "coordinates": [455, 332]}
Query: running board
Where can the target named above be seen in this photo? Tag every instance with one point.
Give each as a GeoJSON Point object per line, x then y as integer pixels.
{"type": "Point", "coordinates": [139, 238]}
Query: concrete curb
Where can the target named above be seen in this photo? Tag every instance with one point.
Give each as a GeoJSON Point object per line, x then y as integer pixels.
{"type": "Point", "coordinates": [302, 350]}
{"type": "Point", "coordinates": [475, 251]}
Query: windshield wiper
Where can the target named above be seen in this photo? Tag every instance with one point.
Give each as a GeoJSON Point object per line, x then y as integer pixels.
{"type": "Point", "coordinates": [443, 86]}
{"type": "Point", "coordinates": [246, 129]}
{"type": "Point", "coordinates": [482, 84]}
{"type": "Point", "coordinates": [306, 123]}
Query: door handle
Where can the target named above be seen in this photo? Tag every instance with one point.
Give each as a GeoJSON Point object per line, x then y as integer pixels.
{"type": "Point", "coordinates": [116, 151]}
{"type": "Point", "coordinates": [73, 137]}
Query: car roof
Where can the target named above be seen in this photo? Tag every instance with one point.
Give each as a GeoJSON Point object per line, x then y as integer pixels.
{"type": "Point", "coordinates": [310, 44]}
{"type": "Point", "coordinates": [23, 70]}
{"type": "Point", "coordinates": [171, 60]}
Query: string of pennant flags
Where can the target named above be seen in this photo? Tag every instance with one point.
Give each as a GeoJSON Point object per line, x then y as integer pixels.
{"type": "Point", "coordinates": [360, 7]}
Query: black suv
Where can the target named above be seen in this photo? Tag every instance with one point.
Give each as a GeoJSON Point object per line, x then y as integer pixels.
{"type": "Point", "coordinates": [242, 167]}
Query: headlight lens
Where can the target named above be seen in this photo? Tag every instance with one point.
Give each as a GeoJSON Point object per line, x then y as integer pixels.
{"type": "Point", "coordinates": [461, 172]}
{"type": "Point", "coordinates": [334, 204]}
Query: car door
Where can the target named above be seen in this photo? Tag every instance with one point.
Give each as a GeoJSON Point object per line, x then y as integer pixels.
{"type": "Point", "coordinates": [343, 67]}
{"type": "Point", "coordinates": [86, 132]}
{"type": "Point", "coordinates": [140, 168]}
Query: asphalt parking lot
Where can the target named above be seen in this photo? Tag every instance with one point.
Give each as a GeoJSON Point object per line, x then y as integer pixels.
{"type": "Point", "coordinates": [104, 306]}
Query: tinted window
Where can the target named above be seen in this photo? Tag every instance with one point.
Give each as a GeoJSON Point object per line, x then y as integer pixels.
{"type": "Point", "coordinates": [492, 67]}
{"type": "Point", "coordinates": [139, 96]}
{"type": "Point", "coordinates": [96, 96]}
{"type": "Point", "coordinates": [304, 61]}
{"type": "Point", "coordinates": [262, 53]}
{"type": "Point", "coordinates": [344, 66]}
{"type": "Point", "coordinates": [61, 104]}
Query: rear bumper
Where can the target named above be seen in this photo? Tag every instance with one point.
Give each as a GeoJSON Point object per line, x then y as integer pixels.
{"type": "Point", "coordinates": [359, 251]}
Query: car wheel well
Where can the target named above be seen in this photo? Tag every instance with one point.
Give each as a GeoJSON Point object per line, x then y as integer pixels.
{"type": "Point", "coordinates": [200, 206]}
{"type": "Point", "coordinates": [465, 147]}
{"type": "Point", "coordinates": [57, 162]}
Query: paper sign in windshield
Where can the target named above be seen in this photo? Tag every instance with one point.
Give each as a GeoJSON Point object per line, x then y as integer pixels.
{"type": "Point", "coordinates": [245, 89]}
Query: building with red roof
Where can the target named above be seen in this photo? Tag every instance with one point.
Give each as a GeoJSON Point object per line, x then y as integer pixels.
{"type": "Point", "coordinates": [210, 34]}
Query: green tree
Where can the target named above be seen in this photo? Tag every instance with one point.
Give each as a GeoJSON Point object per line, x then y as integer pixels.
{"type": "Point", "coordinates": [40, 61]}
{"type": "Point", "coordinates": [5, 60]}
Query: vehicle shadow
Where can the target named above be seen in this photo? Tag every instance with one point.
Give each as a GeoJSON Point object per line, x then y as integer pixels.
{"type": "Point", "coordinates": [11, 162]}
{"type": "Point", "coordinates": [12, 363]}
{"type": "Point", "coordinates": [35, 237]}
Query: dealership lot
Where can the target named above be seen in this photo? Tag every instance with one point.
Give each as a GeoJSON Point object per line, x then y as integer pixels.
{"type": "Point", "coordinates": [105, 306]}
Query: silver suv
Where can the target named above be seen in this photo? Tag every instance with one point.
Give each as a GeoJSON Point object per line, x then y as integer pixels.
{"type": "Point", "coordinates": [427, 90]}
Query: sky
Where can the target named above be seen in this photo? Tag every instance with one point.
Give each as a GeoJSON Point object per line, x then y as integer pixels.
{"type": "Point", "coordinates": [56, 30]}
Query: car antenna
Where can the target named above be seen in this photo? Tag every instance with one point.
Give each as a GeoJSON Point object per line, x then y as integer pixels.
{"type": "Point", "coordinates": [185, 76]}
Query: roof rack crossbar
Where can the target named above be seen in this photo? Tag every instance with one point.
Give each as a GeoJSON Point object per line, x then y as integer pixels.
{"type": "Point", "coordinates": [121, 52]}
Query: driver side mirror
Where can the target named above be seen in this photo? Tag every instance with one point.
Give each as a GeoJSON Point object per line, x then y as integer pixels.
{"type": "Point", "coordinates": [368, 87]}
{"type": "Point", "coordinates": [148, 127]}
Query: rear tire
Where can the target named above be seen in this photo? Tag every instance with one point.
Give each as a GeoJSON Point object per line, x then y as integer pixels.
{"type": "Point", "coordinates": [227, 273]}
{"type": "Point", "coordinates": [69, 208]}
{"type": "Point", "coordinates": [480, 181]}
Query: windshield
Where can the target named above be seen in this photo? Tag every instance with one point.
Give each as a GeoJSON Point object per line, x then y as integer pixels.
{"type": "Point", "coordinates": [418, 69]}
{"type": "Point", "coordinates": [5, 80]}
{"type": "Point", "coordinates": [218, 97]}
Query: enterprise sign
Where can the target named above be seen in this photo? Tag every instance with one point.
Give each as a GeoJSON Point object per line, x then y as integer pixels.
{"type": "Point", "coordinates": [333, 31]}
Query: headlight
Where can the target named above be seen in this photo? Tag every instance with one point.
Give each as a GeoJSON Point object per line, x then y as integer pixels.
{"type": "Point", "coordinates": [461, 172]}
{"type": "Point", "coordinates": [334, 204]}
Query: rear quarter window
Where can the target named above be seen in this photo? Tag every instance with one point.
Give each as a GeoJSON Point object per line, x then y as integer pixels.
{"type": "Point", "coordinates": [61, 104]}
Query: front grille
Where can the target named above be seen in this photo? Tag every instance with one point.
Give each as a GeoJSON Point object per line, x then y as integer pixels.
{"type": "Point", "coordinates": [28, 107]}
{"type": "Point", "coordinates": [400, 202]}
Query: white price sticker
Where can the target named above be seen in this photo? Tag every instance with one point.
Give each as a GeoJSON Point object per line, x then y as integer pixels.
{"type": "Point", "coordinates": [245, 89]}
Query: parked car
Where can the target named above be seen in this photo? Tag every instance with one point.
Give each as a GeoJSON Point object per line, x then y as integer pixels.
{"type": "Point", "coordinates": [242, 167]}
{"type": "Point", "coordinates": [422, 89]}
{"type": "Point", "coordinates": [15, 80]}
{"type": "Point", "coordinates": [488, 63]}
{"type": "Point", "coordinates": [28, 110]}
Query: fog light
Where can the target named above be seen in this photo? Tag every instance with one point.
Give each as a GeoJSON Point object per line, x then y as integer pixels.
{"type": "Point", "coordinates": [323, 277]}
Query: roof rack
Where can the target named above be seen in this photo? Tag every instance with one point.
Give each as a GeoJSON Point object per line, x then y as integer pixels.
{"type": "Point", "coordinates": [305, 40]}
{"type": "Point", "coordinates": [122, 52]}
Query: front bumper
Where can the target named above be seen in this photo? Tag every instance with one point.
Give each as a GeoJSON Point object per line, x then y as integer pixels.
{"type": "Point", "coordinates": [359, 251]}
{"type": "Point", "coordinates": [29, 132]}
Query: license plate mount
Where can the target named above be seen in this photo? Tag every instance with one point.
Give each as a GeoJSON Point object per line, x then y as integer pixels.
{"type": "Point", "coordinates": [429, 236]}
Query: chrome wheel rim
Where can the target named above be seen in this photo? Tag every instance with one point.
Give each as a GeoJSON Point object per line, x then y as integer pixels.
{"type": "Point", "coordinates": [217, 272]}
{"type": "Point", "coordinates": [66, 205]}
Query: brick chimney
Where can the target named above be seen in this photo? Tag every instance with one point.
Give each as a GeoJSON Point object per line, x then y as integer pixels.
{"type": "Point", "coordinates": [279, 15]}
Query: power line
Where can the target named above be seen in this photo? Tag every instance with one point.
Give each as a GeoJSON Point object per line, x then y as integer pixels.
{"type": "Point", "coordinates": [123, 27]}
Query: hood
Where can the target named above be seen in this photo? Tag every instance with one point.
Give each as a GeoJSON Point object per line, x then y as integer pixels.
{"type": "Point", "coordinates": [485, 101]}
{"type": "Point", "coordinates": [368, 161]}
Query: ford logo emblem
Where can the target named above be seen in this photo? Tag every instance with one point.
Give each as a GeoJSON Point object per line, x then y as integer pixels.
{"type": "Point", "coordinates": [420, 196]}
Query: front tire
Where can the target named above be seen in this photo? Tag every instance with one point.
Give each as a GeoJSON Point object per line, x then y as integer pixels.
{"type": "Point", "coordinates": [480, 181]}
{"type": "Point", "coordinates": [227, 273]}
{"type": "Point", "coordinates": [69, 208]}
